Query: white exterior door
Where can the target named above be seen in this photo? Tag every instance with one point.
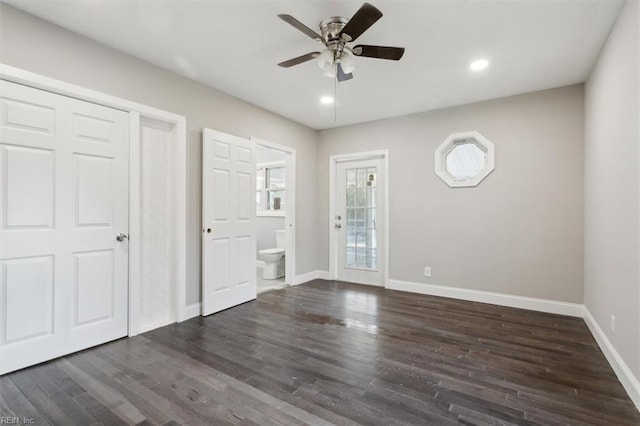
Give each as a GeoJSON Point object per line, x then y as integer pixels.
{"type": "Point", "coordinates": [228, 221]}
{"type": "Point", "coordinates": [359, 222]}
{"type": "Point", "coordinates": [64, 191]}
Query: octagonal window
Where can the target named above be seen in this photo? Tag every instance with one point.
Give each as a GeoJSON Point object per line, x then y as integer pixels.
{"type": "Point", "coordinates": [464, 159]}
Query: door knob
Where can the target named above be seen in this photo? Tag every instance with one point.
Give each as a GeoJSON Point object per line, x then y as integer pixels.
{"type": "Point", "coordinates": [338, 226]}
{"type": "Point", "coordinates": [122, 237]}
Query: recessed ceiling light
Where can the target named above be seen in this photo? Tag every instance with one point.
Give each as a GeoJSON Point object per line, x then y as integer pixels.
{"type": "Point", "coordinates": [326, 100]}
{"type": "Point", "coordinates": [479, 64]}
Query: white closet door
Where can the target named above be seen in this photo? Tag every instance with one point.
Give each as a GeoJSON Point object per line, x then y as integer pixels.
{"type": "Point", "coordinates": [228, 221]}
{"type": "Point", "coordinates": [64, 193]}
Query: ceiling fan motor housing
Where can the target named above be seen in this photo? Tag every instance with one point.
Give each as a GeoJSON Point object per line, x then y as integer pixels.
{"type": "Point", "coordinates": [330, 29]}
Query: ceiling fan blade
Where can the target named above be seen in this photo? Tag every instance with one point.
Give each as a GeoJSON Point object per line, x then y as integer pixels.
{"type": "Point", "coordinates": [380, 52]}
{"type": "Point", "coordinates": [342, 76]}
{"type": "Point", "coordinates": [299, 60]}
{"type": "Point", "coordinates": [365, 17]}
{"type": "Point", "coordinates": [299, 26]}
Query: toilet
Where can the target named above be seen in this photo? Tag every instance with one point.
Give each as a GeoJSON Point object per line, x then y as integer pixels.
{"type": "Point", "coordinates": [274, 258]}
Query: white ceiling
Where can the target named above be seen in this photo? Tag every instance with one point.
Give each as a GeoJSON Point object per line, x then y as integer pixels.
{"type": "Point", "coordinates": [234, 46]}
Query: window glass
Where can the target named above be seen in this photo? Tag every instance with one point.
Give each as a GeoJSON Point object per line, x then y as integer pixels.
{"type": "Point", "coordinates": [270, 189]}
{"type": "Point", "coordinates": [465, 161]}
{"type": "Point", "coordinates": [276, 200]}
{"type": "Point", "coordinates": [361, 234]}
{"type": "Point", "coordinates": [276, 178]}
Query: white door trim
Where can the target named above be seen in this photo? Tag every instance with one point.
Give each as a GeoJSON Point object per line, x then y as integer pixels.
{"type": "Point", "coordinates": [38, 81]}
{"type": "Point", "coordinates": [333, 161]}
{"type": "Point", "coordinates": [136, 112]}
{"type": "Point", "coordinates": [290, 207]}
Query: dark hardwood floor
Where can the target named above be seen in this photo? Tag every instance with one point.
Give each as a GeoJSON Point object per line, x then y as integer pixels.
{"type": "Point", "coordinates": [335, 353]}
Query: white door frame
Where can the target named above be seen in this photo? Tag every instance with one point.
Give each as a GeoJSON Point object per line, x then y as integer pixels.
{"type": "Point", "coordinates": [136, 113]}
{"type": "Point", "coordinates": [289, 208]}
{"type": "Point", "coordinates": [333, 162]}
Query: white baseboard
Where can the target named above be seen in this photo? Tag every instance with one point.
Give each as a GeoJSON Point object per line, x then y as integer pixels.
{"type": "Point", "coordinates": [622, 370]}
{"type": "Point", "coordinates": [310, 276]}
{"type": "Point", "coordinates": [259, 263]}
{"type": "Point", "coordinates": [542, 305]}
{"type": "Point", "coordinates": [189, 311]}
{"type": "Point", "coordinates": [323, 275]}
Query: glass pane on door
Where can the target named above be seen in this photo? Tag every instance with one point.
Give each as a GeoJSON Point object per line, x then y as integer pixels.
{"type": "Point", "coordinates": [361, 242]}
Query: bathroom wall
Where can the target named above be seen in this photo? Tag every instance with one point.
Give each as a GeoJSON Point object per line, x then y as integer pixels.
{"type": "Point", "coordinates": [44, 48]}
{"type": "Point", "coordinates": [267, 225]}
{"type": "Point", "coordinates": [612, 188]}
{"type": "Point", "coordinates": [520, 232]}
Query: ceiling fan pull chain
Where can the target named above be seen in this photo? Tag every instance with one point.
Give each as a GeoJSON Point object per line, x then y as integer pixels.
{"type": "Point", "coordinates": [335, 99]}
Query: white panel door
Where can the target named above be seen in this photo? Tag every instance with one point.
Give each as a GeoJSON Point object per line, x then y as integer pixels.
{"type": "Point", "coordinates": [228, 221]}
{"type": "Point", "coordinates": [64, 192]}
{"type": "Point", "coordinates": [359, 222]}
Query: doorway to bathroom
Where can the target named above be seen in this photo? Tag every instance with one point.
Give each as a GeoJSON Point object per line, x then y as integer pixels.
{"type": "Point", "coordinates": [275, 211]}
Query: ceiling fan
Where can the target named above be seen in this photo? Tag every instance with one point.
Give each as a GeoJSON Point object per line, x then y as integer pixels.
{"type": "Point", "coordinates": [336, 33]}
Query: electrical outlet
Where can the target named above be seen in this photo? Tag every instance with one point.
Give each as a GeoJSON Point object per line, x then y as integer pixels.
{"type": "Point", "coordinates": [427, 271]}
{"type": "Point", "coordinates": [612, 324]}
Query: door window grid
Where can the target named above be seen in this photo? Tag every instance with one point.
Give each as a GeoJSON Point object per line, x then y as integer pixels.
{"type": "Point", "coordinates": [361, 245]}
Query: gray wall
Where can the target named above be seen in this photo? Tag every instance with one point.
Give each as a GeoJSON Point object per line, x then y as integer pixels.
{"type": "Point", "coordinates": [519, 232]}
{"type": "Point", "coordinates": [41, 47]}
{"type": "Point", "coordinates": [612, 174]}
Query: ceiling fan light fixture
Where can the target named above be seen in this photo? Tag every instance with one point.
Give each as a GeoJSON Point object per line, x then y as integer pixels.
{"type": "Point", "coordinates": [325, 58]}
{"type": "Point", "coordinates": [330, 70]}
{"type": "Point", "coordinates": [347, 62]}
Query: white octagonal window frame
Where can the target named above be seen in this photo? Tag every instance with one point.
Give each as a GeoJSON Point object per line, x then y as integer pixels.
{"type": "Point", "coordinates": [449, 144]}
